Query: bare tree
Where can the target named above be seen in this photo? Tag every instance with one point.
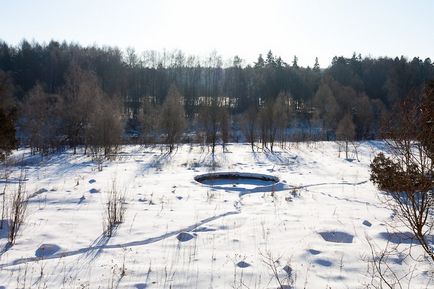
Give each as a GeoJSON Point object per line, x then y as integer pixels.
{"type": "Point", "coordinates": [328, 107]}
{"type": "Point", "coordinates": [249, 125]}
{"type": "Point", "coordinates": [42, 122]}
{"type": "Point", "coordinates": [209, 118]}
{"type": "Point", "coordinates": [363, 116]}
{"type": "Point", "coordinates": [225, 124]}
{"type": "Point", "coordinates": [281, 115]}
{"type": "Point", "coordinates": [346, 132]}
{"type": "Point", "coordinates": [104, 129]}
{"type": "Point", "coordinates": [172, 121]}
{"type": "Point", "coordinates": [148, 122]}
{"type": "Point", "coordinates": [274, 117]}
{"type": "Point", "coordinates": [268, 125]}
{"type": "Point", "coordinates": [81, 94]}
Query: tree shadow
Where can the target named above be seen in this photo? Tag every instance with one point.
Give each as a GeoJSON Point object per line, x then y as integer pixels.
{"type": "Point", "coordinates": [281, 158]}
{"type": "Point", "coordinates": [4, 231]}
{"type": "Point", "coordinates": [93, 250]}
{"type": "Point", "coordinates": [400, 237]}
{"type": "Point", "coordinates": [62, 162]}
{"type": "Point", "coordinates": [159, 161]}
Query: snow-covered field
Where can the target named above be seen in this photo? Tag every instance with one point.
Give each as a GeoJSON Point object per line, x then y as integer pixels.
{"type": "Point", "coordinates": [179, 233]}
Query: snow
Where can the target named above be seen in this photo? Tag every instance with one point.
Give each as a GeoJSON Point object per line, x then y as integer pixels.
{"type": "Point", "coordinates": [179, 233]}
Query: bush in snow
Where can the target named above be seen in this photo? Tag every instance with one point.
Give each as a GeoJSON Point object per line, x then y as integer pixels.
{"type": "Point", "coordinates": [17, 210]}
{"type": "Point", "coordinates": [114, 210]}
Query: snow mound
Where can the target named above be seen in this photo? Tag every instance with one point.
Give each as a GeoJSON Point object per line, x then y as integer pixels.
{"type": "Point", "coordinates": [46, 250]}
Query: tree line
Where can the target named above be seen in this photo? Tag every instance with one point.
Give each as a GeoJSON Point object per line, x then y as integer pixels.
{"type": "Point", "coordinates": [63, 95]}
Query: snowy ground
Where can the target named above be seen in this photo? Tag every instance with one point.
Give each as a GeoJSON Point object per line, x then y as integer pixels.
{"type": "Point", "coordinates": [318, 230]}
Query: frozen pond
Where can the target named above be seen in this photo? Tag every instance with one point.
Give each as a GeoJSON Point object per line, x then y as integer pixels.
{"type": "Point", "coordinates": [235, 180]}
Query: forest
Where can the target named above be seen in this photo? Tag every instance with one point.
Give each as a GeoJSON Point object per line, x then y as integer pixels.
{"type": "Point", "coordinates": [63, 95]}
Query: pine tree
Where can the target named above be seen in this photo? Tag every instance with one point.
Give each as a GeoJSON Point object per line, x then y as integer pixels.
{"type": "Point", "coordinates": [8, 141]}
{"type": "Point", "coordinates": [270, 59]}
{"type": "Point", "coordinates": [316, 66]}
{"type": "Point", "coordinates": [295, 62]}
{"type": "Point", "coordinates": [8, 117]}
{"type": "Point", "coordinates": [260, 63]}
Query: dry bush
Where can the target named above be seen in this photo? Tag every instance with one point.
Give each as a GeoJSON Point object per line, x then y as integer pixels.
{"type": "Point", "coordinates": [382, 264]}
{"type": "Point", "coordinates": [17, 210]}
{"type": "Point", "coordinates": [282, 273]}
{"type": "Point", "coordinates": [115, 208]}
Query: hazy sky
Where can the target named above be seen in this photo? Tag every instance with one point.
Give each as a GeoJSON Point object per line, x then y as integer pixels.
{"type": "Point", "coordinates": [322, 28]}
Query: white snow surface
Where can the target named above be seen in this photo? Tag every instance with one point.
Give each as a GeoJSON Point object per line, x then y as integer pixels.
{"type": "Point", "coordinates": [179, 233]}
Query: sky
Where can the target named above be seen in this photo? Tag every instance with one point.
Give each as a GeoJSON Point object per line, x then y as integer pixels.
{"type": "Point", "coordinates": [308, 29]}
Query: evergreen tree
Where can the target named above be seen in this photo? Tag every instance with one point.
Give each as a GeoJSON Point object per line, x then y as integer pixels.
{"type": "Point", "coordinates": [260, 63]}
{"type": "Point", "coordinates": [316, 66]}
{"type": "Point", "coordinates": [270, 59]}
{"type": "Point", "coordinates": [8, 117]}
{"type": "Point", "coordinates": [295, 62]}
{"type": "Point", "coordinates": [8, 141]}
